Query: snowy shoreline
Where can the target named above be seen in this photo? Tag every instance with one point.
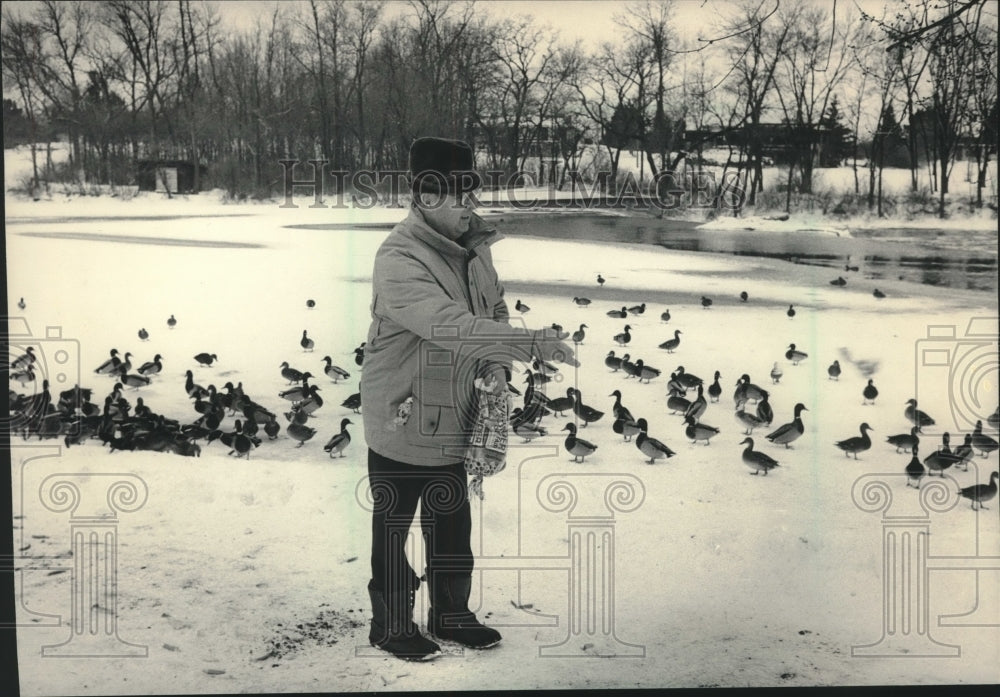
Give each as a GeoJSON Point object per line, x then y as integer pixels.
{"type": "Point", "coordinates": [249, 575]}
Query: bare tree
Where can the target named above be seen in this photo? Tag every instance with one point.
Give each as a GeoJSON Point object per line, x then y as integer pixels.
{"type": "Point", "coordinates": [757, 45]}
{"type": "Point", "coordinates": [24, 62]}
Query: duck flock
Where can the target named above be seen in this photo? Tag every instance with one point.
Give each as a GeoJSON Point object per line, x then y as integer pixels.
{"type": "Point", "coordinates": [688, 397]}
{"type": "Point", "coordinates": [122, 421]}
{"type": "Point", "coordinates": [241, 422]}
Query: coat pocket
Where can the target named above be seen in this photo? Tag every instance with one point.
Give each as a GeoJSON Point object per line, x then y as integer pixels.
{"type": "Point", "coordinates": [436, 419]}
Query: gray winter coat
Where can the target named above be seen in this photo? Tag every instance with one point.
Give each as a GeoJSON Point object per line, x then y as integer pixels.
{"type": "Point", "coordinates": [438, 313]}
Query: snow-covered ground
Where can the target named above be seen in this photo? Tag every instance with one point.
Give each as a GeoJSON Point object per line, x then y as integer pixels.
{"type": "Point", "coordinates": [249, 575]}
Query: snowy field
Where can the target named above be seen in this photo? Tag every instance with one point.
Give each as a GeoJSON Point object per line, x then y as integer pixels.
{"type": "Point", "coordinates": [247, 575]}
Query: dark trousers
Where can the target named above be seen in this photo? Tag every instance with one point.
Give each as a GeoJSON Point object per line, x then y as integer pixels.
{"type": "Point", "coordinates": [445, 521]}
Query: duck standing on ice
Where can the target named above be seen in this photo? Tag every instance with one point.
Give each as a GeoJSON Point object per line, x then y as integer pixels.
{"type": "Point", "coordinates": [787, 433]}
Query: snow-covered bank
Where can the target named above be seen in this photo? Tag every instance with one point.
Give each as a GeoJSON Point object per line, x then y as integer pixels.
{"type": "Point", "coordinates": [249, 575]}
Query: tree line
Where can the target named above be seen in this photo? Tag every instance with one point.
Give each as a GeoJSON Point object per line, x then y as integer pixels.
{"type": "Point", "coordinates": [353, 83]}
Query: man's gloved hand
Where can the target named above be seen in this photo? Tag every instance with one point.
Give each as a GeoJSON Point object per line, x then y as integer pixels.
{"type": "Point", "coordinates": [547, 346]}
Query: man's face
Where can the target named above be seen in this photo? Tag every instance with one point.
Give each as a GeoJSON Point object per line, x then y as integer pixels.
{"type": "Point", "coordinates": [449, 215]}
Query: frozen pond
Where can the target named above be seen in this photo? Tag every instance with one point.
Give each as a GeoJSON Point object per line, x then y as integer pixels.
{"type": "Point", "coordinates": [954, 259]}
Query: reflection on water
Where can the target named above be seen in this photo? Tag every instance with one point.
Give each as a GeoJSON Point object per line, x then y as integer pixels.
{"type": "Point", "coordinates": [953, 259]}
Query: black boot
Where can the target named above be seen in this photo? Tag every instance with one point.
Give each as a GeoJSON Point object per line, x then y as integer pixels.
{"type": "Point", "coordinates": [393, 629]}
{"type": "Point", "coordinates": [450, 617]}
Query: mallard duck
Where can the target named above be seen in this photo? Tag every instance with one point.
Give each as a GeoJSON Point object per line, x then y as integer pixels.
{"type": "Point", "coordinates": [764, 411]}
{"type": "Point", "coordinates": [628, 367]}
{"type": "Point", "coordinates": [942, 458]}
{"type": "Point", "coordinates": [334, 372]}
{"type": "Point", "coordinates": [790, 311]}
{"type": "Point", "coordinates": [151, 367]}
{"type": "Point", "coordinates": [300, 432]}
{"type": "Point", "coordinates": [579, 334]}
{"type": "Point", "coordinates": [23, 376]}
{"type": "Point", "coordinates": [676, 401]}
{"type": "Point", "coordinates": [133, 380]}
{"type": "Point", "coordinates": [637, 309]}
{"type": "Point", "coordinates": [143, 334]}
{"type": "Point", "coordinates": [544, 367]}
{"type": "Point", "coordinates": [915, 470]}
{"type": "Point", "coordinates": [310, 303]}
{"type": "Point", "coordinates": [785, 434]}
{"type": "Point", "coordinates": [618, 409]}
{"type": "Point", "coordinates": [626, 427]}
{"type": "Point", "coordinates": [715, 389]}
{"type": "Point", "coordinates": [618, 314]}
{"type": "Point", "coordinates": [917, 417]}
{"type": "Point", "coordinates": [794, 355]}
{"type": "Point", "coordinates": [312, 401]}
{"type": "Point", "coordinates": [646, 372]}
{"type": "Point", "coordinates": [698, 406]}
{"type": "Point", "coordinates": [870, 392]}
{"type": "Point", "coordinates": [600, 280]}
{"type": "Point", "coordinates": [290, 374]}
{"type": "Point", "coordinates": [527, 430]}
{"type": "Point", "coordinates": [521, 307]}
{"type": "Point", "coordinates": [582, 302]}
{"type": "Point", "coordinates": [206, 359]}
{"type": "Point", "coordinates": [776, 373]}
{"type": "Point", "coordinates": [964, 453]}
{"type": "Point", "coordinates": [272, 428]}
{"type": "Point", "coordinates": [353, 402]}
{"type": "Point", "coordinates": [297, 393]}
{"type": "Point", "coordinates": [833, 372]}
{"type": "Point", "coordinates": [838, 281]}
{"type": "Point", "coordinates": [982, 442]}
{"type": "Point", "coordinates": [978, 493]}
{"type": "Point", "coordinates": [697, 431]}
{"type": "Point", "coordinates": [243, 442]}
{"type": "Point", "coordinates": [746, 390]}
{"type": "Point", "coordinates": [28, 358]}
{"type": "Point", "coordinates": [744, 296]}
{"type": "Point", "coordinates": [108, 367]}
{"type": "Point", "coordinates": [706, 302]}
{"type": "Point", "coordinates": [665, 316]}
{"type": "Point", "coordinates": [193, 389]}
{"type": "Point", "coordinates": [748, 421]}
{"type": "Point", "coordinates": [623, 337]}
{"type": "Point", "coordinates": [560, 404]}
{"type": "Point", "coordinates": [359, 354]}
{"type": "Point", "coordinates": [583, 412]}
{"type": "Point", "coordinates": [577, 447]}
{"type": "Point", "coordinates": [857, 444]}
{"type": "Point", "coordinates": [878, 294]}
{"type": "Point", "coordinates": [757, 460]}
{"type": "Point", "coordinates": [671, 344]}
{"type": "Point", "coordinates": [172, 322]}
{"type": "Point", "coordinates": [558, 329]}
{"type": "Point", "coordinates": [339, 441]}
{"type": "Point", "coordinates": [904, 441]}
{"type": "Point", "coordinates": [651, 447]}
{"type": "Point", "coordinates": [612, 361]}
{"type": "Point", "coordinates": [305, 342]}
{"type": "Point", "coordinates": [687, 380]}
{"type": "Point", "coordinates": [21, 304]}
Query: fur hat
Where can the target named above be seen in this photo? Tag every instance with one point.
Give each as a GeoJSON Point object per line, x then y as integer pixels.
{"type": "Point", "coordinates": [441, 164]}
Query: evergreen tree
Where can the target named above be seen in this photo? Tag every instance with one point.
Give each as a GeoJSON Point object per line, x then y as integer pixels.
{"type": "Point", "coordinates": [837, 146]}
{"type": "Point", "coordinates": [890, 131]}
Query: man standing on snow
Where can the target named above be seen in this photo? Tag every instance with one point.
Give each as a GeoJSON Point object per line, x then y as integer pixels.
{"type": "Point", "coordinates": [439, 327]}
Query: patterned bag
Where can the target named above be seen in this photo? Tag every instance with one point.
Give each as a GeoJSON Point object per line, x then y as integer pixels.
{"type": "Point", "coordinates": [487, 451]}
